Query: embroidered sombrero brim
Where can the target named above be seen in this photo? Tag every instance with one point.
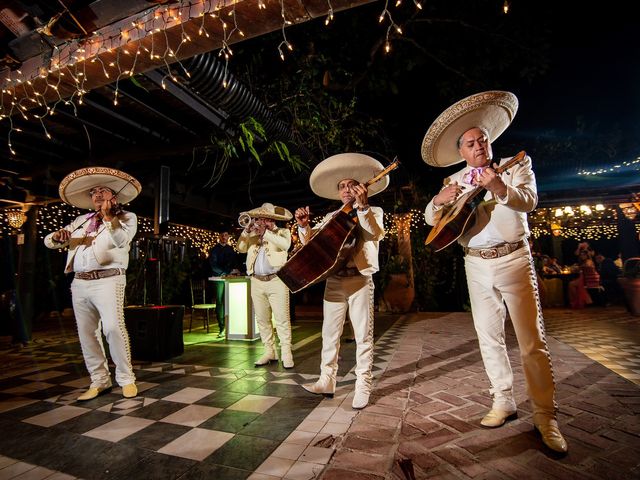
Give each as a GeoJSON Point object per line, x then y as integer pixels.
{"type": "Point", "coordinates": [74, 188]}
{"type": "Point", "coordinates": [268, 210]}
{"type": "Point", "coordinates": [325, 177]}
{"type": "Point", "coordinates": [492, 110]}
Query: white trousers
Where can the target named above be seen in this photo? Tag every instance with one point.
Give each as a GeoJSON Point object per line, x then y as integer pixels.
{"type": "Point", "coordinates": [98, 306]}
{"type": "Point", "coordinates": [271, 297]}
{"type": "Point", "coordinates": [511, 281]}
{"type": "Point", "coordinates": [356, 294]}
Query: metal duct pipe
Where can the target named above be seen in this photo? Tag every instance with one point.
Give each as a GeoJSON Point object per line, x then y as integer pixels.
{"type": "Point", "coordinates": [207, 78]}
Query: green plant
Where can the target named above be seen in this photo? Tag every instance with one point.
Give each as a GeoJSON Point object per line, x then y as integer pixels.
{"type": "Point", "coordinates": [631, 268]}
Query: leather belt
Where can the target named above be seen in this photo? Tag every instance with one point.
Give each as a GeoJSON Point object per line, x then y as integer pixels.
{"type": "Point", "coordinates": [97, 274]}
{"type": "Point", "coordinates": [347, 272]}
{"type": "Point", "coordinates": [494, 252]}
{"type": "Point", "coordinates": [265, 278]}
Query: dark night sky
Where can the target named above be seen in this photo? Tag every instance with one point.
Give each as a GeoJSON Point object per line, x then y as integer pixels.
{"type": "Point", "coordinates": [581, 113]}
{"type": "Point", "coordinates": [593, 81]}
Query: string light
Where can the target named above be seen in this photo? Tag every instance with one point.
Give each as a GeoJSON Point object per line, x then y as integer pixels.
{"type": "Point", "coordinates": [284, 41]}
{"type": "Point", "coordinates": [130, 38]}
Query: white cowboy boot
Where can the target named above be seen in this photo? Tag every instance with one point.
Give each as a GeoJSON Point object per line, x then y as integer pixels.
{"type": "Point", "coordinates": [361, 396]}
{"type": "Point", "coordinates": [286, 356]}
{"type": "Point", "coordinates": [269, 355]}
{"type": "Point", "coordinates": [324, 386]}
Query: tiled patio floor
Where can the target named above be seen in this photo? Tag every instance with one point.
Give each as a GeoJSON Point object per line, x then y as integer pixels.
{"type": "Point", "coordinates": [210, 414]}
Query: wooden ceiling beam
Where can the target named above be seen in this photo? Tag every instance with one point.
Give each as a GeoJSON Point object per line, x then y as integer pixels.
{"type": "Point", "coordinates": [171, 32]}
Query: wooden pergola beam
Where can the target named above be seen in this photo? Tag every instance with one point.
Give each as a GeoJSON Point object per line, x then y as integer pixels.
{"type": "Point", "coordinates": [171, 33]}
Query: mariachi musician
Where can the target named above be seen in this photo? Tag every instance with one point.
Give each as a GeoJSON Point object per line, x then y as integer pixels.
{"type": "Point", "coordinates": [267, 247]}
{"type": "Point", "coordinates": [342, 177]}
{"type": "Point", "coordinates": [499, 267]}
{"type": "Point", "coordinates": [98, 253]}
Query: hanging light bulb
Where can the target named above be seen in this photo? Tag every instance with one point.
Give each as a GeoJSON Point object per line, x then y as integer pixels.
{"type": "Point", "coordinates": [585, 209]}
{"type": "Point", "coordinates": [16, 218]}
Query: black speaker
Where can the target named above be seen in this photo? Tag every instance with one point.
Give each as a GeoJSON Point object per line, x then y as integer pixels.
{"type": "Point", "coordinates": [161, 223]}
{"type": "Point", "coordinates": [155, 332]}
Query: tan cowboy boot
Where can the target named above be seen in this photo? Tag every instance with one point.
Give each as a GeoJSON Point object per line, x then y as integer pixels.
{"type": "Point", "coordinates": [550, 433]}
{"type": "Point", "coordinates": [497, 417]}
{"type": "Point", "coordinates": [93, 392]}
{"type": "Point", "coordinates": [130, 390]}
{"type": "Point", "coordinates": [504, 408]}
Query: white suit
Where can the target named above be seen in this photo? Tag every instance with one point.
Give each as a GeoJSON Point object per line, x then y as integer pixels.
{"type": "Point", "coordinates": [98, 303]}
{"type": "Point", "coordinates": [506, 282]}
{"type": "Point", "coordinates": [271, 295]}
{"type": "Point", "coordinates": [355, 293]}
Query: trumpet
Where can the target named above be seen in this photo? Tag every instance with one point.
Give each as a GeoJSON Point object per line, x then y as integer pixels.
{"type": "Point", "coordinates": [245, 220]}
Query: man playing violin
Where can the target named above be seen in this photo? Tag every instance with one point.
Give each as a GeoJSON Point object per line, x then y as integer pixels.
{"type": "Point", "coordinates": [341, 177]}
{"type": "Point", "coordinates": [98, 253]}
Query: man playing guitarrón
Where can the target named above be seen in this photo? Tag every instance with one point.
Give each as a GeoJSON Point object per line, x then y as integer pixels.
{"type": "Point", "coordinates": [341, 177]}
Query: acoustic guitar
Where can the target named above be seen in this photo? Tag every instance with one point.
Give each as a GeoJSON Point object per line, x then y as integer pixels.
{"type": "Point", "coordinates": [328, 248]}
{"type": "Point", "coordinates": [456, 219]}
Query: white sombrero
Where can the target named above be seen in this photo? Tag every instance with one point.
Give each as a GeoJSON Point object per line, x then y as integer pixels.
{"type": "Point", "coordinates": [493, 111]}
{"type": "Point", "coordinates": [268, 210]}
{"type": "Point", "coordinates": [325, 177]}
{"type": "Point", "coordinates": [74, 188]}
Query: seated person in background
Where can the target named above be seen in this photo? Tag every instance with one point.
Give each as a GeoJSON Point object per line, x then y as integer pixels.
{"type": "Point", "coordinates": [584, 247]}
{"type": "Point", "coordinates": [551, 266]}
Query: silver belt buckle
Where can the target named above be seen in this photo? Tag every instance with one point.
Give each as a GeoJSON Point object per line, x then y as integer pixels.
{"type": "Point", "coordinates": [489, 253]}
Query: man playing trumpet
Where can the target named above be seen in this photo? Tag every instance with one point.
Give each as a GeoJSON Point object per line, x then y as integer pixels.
{"type": "Point", "coordinates": [267, 248]}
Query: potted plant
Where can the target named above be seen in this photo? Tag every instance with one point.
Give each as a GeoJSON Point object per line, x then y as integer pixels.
{"type": "Point", "coordinates": [630, 283]}
{"type": "Point", "coordinates": [397, 285]}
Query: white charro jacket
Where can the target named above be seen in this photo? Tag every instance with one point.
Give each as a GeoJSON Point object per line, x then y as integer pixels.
{"type": "Point", "coordinates": [508, 215]}
{"type": "Point", "coordinates": [110, 245]}
{"type": "Point", "coordinates": [276, 244]}
{"type": "Point", "coordinates": [369, 231]}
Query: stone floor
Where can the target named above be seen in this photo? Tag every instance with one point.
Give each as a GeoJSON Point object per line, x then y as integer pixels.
{"type": "Point", "coordinates": [210, 414]}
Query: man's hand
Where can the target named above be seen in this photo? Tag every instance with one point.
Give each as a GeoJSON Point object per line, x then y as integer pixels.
{"type": "Point", "coordinates": [491, 181]}
{"type": "Point", "coordinates": [447, 195]}
{"type": "Point", "coordinates": [361, 194]}
{"type": "Point", "coordinates": [302, 217]}
{"type": "Point", "coordinates": [61, 236]}
{"type": "Point", "coordinates": [106, 209]}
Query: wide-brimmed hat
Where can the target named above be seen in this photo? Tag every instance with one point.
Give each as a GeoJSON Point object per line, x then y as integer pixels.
{"type": "Point", "coordinates": [74, 188]}
{"type": "Point", "coordinates": [268, 210]}
{"type": "Point", "coordinates": [325, 177]}
{"type": "Point", "coordinates": [493, 110]}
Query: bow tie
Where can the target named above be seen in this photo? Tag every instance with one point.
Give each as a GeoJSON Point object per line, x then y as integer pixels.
{"type": "Point", "coordinates": [470, 177]}
{"type": "Point", "coordinates": [94, 224]}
